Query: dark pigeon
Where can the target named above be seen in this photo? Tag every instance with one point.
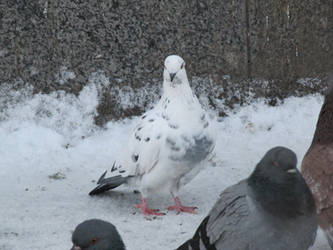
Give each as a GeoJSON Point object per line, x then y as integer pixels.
{"type": "Point", "coordinates": [96, 234]}
{"type": "Point", "coordinates": [317, 165]}
{"type": "Point", "coordinates": [272, 209]}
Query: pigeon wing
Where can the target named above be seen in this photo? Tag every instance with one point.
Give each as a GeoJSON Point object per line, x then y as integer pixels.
{"type": "Point", "coordinates": [230, 211]}
{"type": "Point", "coordinates": [144, 146]}
{"type": "Point", "coordinates": [317, 169]}
{"type": "Point", "coordinates": [220, 229]}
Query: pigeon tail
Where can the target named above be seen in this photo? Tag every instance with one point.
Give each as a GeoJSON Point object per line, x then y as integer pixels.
{"type": "Point", "coordinates": [200, 239]}
{"type": "Point", "coordinates": [105, 184]}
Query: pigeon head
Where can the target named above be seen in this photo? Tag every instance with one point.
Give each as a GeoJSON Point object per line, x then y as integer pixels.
{"type": "Point", "coordinates": [96, 234]}
{"type": "Point", "coordinates": [174, 70]}
{"type": "Point", "coordinates": [280, 161]}
{"type": "Point", "coordinates": [279, 187]}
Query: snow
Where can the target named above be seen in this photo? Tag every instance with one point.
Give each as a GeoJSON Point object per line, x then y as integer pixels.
{"type": "Point", "coordinates": [65, 75]}
{"type": "Point", "coordinates": [51, 155]}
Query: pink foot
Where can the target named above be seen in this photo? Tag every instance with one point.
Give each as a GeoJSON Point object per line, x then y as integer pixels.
{"type": "Point", "coordinates": [146, 210]}
{"type": "Point", "coordinates": [178, 207]}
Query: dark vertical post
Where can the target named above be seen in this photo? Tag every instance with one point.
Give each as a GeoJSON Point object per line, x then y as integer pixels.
{"type": "Point", "coordinates": [248, 42]}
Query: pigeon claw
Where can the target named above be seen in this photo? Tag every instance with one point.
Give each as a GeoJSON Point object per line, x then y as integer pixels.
{"type": "Point", "coordinates": [146, 210]}
{"type": "Point", "coordinates": [178, 207]}
{"type": "Point", "coordinates": [184, 209]}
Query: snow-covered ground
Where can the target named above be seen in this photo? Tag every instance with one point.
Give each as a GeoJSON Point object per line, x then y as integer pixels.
{"type": "Point", "coordinates": [51, 155]}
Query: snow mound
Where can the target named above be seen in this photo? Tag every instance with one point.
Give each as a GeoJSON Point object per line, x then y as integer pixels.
{"type": "Point", "coordinates": [52, 153]}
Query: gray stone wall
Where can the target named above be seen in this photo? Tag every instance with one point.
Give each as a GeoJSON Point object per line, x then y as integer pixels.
{"type": "Point", "coordinates": [276, 40]}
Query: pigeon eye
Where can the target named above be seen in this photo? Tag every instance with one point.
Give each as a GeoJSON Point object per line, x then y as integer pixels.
{"type": "Point", "coordinates": [94, 240]}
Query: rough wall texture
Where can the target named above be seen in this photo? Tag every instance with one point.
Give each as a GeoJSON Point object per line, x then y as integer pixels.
{"type": "Point", "coordinates": [277, 40]}
{"type": "Point", "coordinates": [291, 39]}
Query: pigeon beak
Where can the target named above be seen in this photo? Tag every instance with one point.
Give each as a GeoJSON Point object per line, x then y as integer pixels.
{"type": "Point", "coordinates": [172, 76]}
{"type": "Point", "coordinates": [76, 248]}
{"type": "Point", "coordinates": [292, 171]}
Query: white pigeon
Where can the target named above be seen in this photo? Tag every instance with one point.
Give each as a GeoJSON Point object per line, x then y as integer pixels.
{"type": "Point", "coordinates": [168, 146]}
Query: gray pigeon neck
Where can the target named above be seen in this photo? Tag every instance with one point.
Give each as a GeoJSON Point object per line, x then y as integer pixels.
{"type": "Point", "coordinates": [289, 199]}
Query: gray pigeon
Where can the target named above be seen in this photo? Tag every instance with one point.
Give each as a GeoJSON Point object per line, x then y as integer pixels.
{"type": "Point", "coordinates": [272, 209]}
{"type": "Point", "coordinates": [96, 234]}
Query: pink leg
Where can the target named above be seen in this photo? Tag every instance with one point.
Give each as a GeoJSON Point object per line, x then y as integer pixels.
{"type": "Point", "coordinates": [178, 207]}
{"type": "Point", "coordinates": [146, 210]}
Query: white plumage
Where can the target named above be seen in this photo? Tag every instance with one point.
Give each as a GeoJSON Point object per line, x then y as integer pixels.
{"type": "Point", "coordinates": [170, 142]}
